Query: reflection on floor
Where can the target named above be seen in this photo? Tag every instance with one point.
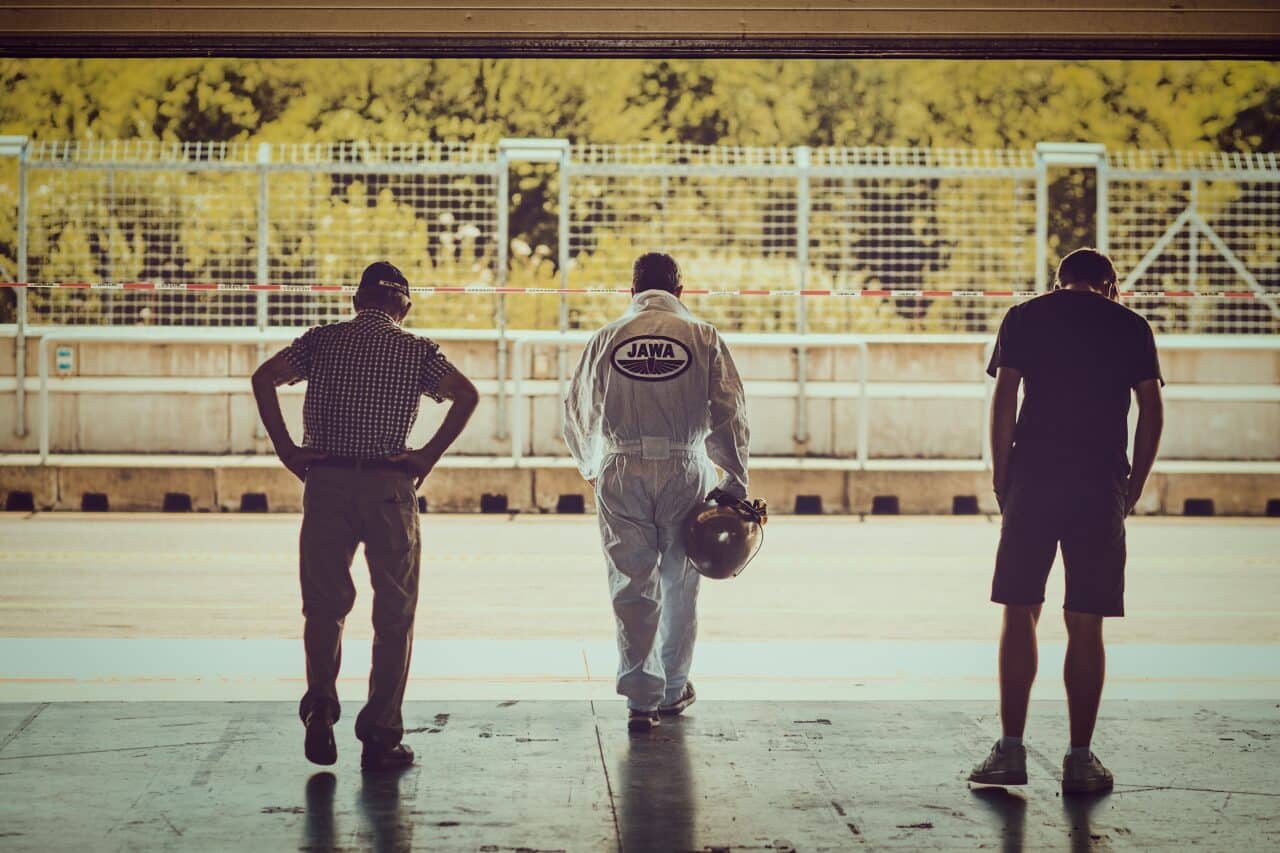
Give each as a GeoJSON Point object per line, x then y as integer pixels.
{"type": "Point", "coordinates": [543, 776]}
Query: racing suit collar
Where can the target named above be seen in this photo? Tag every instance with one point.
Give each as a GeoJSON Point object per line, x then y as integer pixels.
{"type": "Point", "coordinates": [658, 300]}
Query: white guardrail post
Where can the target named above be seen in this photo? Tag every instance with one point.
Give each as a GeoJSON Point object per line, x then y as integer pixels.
{"type": "Point", "coordinates": [43, 355]}
{"type": "Point", "coordinates": [864, 404]}
{"type": "Point", "coordinates": [518, 418]}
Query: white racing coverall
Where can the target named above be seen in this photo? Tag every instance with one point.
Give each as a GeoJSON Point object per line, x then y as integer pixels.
{"type": "Point", "coordinates": [655, 401]}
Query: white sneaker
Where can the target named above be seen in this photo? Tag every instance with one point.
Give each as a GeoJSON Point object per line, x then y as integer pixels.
{"type": "Point", "coordinates": [1085, 776]}
{"type": "Point", "coordinates": [1002, 767]}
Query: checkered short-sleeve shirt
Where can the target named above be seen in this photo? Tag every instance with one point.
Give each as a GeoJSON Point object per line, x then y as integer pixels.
{"type": "Point", "coordinates": [365, 380]}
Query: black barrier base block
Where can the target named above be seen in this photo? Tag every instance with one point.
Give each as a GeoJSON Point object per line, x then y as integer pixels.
{"type": "Point", "coordinates": [94, 502]}
{"type": "Point", "coordinates": [253, 502]}
{"type": "Point", "coordinates": [884, 505]}
{"type": "Point", "coordinates": [176, 502]}
{"type": "Point", "coordinates": [20, 502]}
{"type": "Point", "coordinates": [808, 505]}
{"type": "Point", "coordinates": [571, 505]}
{"type": "Point", "coordinates": [1197, 506]}
{"type": "Point", "coordinates": [493, 503]}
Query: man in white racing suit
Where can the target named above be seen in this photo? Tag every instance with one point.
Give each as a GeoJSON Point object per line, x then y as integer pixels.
{"type": "Point", "coordinates": [655, 401]}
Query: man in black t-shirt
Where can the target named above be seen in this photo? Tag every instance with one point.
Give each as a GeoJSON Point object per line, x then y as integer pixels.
{"type": "Point", "coordinates": [1062, 476]}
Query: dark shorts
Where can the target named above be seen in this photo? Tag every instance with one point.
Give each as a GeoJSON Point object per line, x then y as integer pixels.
{"type": "Point", "coordinates": [1054, 500]}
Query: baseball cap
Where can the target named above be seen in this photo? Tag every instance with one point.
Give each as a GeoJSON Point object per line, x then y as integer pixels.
{"type": "Point", "coordinates": [383, 274]}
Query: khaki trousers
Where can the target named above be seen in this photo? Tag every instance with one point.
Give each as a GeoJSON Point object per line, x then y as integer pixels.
{"type": "Point", "coordinates": [340, 509]}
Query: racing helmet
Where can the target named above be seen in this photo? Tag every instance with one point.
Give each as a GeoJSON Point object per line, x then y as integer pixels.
{"type": "Point", "coordinates": [723, 534]}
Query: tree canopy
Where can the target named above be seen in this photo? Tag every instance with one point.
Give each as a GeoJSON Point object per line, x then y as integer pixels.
{"type": "Point", "coordinates": [931, 103]}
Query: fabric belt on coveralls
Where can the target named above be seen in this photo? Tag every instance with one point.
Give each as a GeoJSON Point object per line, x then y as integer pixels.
{"type": "Point", "coordinates": [655, 447]}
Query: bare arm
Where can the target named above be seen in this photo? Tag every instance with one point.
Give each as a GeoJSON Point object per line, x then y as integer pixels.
{"type": "Point", "coordinates": [1146, 439]}
{"type": "Point", "coordinates": [1004, 417]}
{"type": "Point", "coordinates": [272, 373]}
{"type": "Point", "coordinates": [463, 399]}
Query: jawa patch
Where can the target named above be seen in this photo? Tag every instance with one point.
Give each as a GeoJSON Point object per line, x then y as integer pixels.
{"type": "Point", "coordinates": [651, 358]}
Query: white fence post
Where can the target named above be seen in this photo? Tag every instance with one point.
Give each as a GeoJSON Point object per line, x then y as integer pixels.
{"type": "Point", "coordinates": [562, 254]}
{"type": "Point", "coordinates": [802, 266]}
{"type": "Point", "coordinates": [263, 276]}
{"type": "Point", "coordinates": [1102, 212]}
{"type": "Point", "coordinates": [1042, 222]}
{"type": "Point", "coordinates": [501, 260]}
{"type": "Point", "coordinates": [1193, 236]}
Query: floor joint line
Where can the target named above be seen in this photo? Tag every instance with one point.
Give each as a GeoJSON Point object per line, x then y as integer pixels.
{"type": "Point", "coordinates": [608, 783]}
{"type": "Point", "coordinates": [30, 718]}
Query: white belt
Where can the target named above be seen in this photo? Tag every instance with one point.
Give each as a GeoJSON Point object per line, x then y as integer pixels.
{"type": "Point", "coordinates": [655, 447]}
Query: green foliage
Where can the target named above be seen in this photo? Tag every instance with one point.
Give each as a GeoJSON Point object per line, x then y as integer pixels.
{"type": "Point", "coordinates": [944, 103]}
{"type": "Point", "coordinates": [931, 103]}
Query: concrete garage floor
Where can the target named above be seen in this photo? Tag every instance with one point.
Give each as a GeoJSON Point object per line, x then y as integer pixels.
{"type": "Point", "coordinates": [847, 684]}
{"type": "Point", "coordinates": [542, 776]}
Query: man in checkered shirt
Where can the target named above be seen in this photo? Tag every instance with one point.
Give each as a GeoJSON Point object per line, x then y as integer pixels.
{"type": "Point", "coordinates": [365, 381]}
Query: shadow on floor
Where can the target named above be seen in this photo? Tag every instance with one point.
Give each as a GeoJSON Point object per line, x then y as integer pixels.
{"type": "Point", "coordinates": [657, 792]}
{"type": "Point", "coordinates": [1008, 815]}
{"type": "Point", "coordinates": [386, 825]}
{"type": "Point", "coordinates": [1078, 809]}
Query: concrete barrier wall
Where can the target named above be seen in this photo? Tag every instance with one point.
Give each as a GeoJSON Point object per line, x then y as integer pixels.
{"type": "Point", "coordinates": [926, 401]}
{"type": "Point", "coordinates": [227, 484]}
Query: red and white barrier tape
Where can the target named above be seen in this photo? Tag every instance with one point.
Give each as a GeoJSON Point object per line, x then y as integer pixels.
{"type": "Point", "coordinates": [544, 291]}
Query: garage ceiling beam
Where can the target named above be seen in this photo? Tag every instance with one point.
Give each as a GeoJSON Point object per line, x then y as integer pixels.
{"type": "Point", "coordinates": [887, 28]}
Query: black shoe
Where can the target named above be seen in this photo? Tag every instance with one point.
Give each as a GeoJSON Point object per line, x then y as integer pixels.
{"type": "Point", "coordinates": [320, 745]}
{"type": "Point", "coordinates": [642, 721]}
{"type": "Point", "coordinates": [375, 758]}
{"type": "Point", "coordinates": [687, 698]}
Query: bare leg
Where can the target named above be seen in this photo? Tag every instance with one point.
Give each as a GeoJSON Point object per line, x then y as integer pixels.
{"type": "Point", "coordinates": [1017, 665]}
{"type": "Point", "coordinates": [1084, 671]}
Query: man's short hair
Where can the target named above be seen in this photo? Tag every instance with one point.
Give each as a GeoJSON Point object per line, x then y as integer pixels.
{"type": "Point", "coordinates": [1087, 267]}
{"type": "Point", "coordinates": [655, 271]}
{"type": "Point", "coordinates": [384, 287]}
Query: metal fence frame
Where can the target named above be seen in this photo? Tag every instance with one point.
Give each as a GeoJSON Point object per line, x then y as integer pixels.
{"type": "Point", "coordinates": [800, 165]}
{"type": "Point", "coordinates": [1194, 170]}
{"type": "Point", "coordinates": [803, 165]}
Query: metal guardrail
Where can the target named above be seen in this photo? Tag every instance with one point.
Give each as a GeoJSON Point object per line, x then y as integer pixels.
{"type": "Point", "coordinates": [188, 336]}
{"type": "Point", "coordinates": [526, 342]}
{"type": "Point", "coordinates": [513, 386]}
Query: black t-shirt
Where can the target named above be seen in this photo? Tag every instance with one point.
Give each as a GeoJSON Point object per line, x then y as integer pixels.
{"type": "Point", "coordinates": [1080, 354]}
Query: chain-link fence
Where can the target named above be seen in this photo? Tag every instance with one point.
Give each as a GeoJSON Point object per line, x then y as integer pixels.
{"type": "Point", "coordinates": [1198, 223]}
{"type": "Point", "coordinates": [778, 226]}
{"type": "Point", "coordinates": [237, 217]}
